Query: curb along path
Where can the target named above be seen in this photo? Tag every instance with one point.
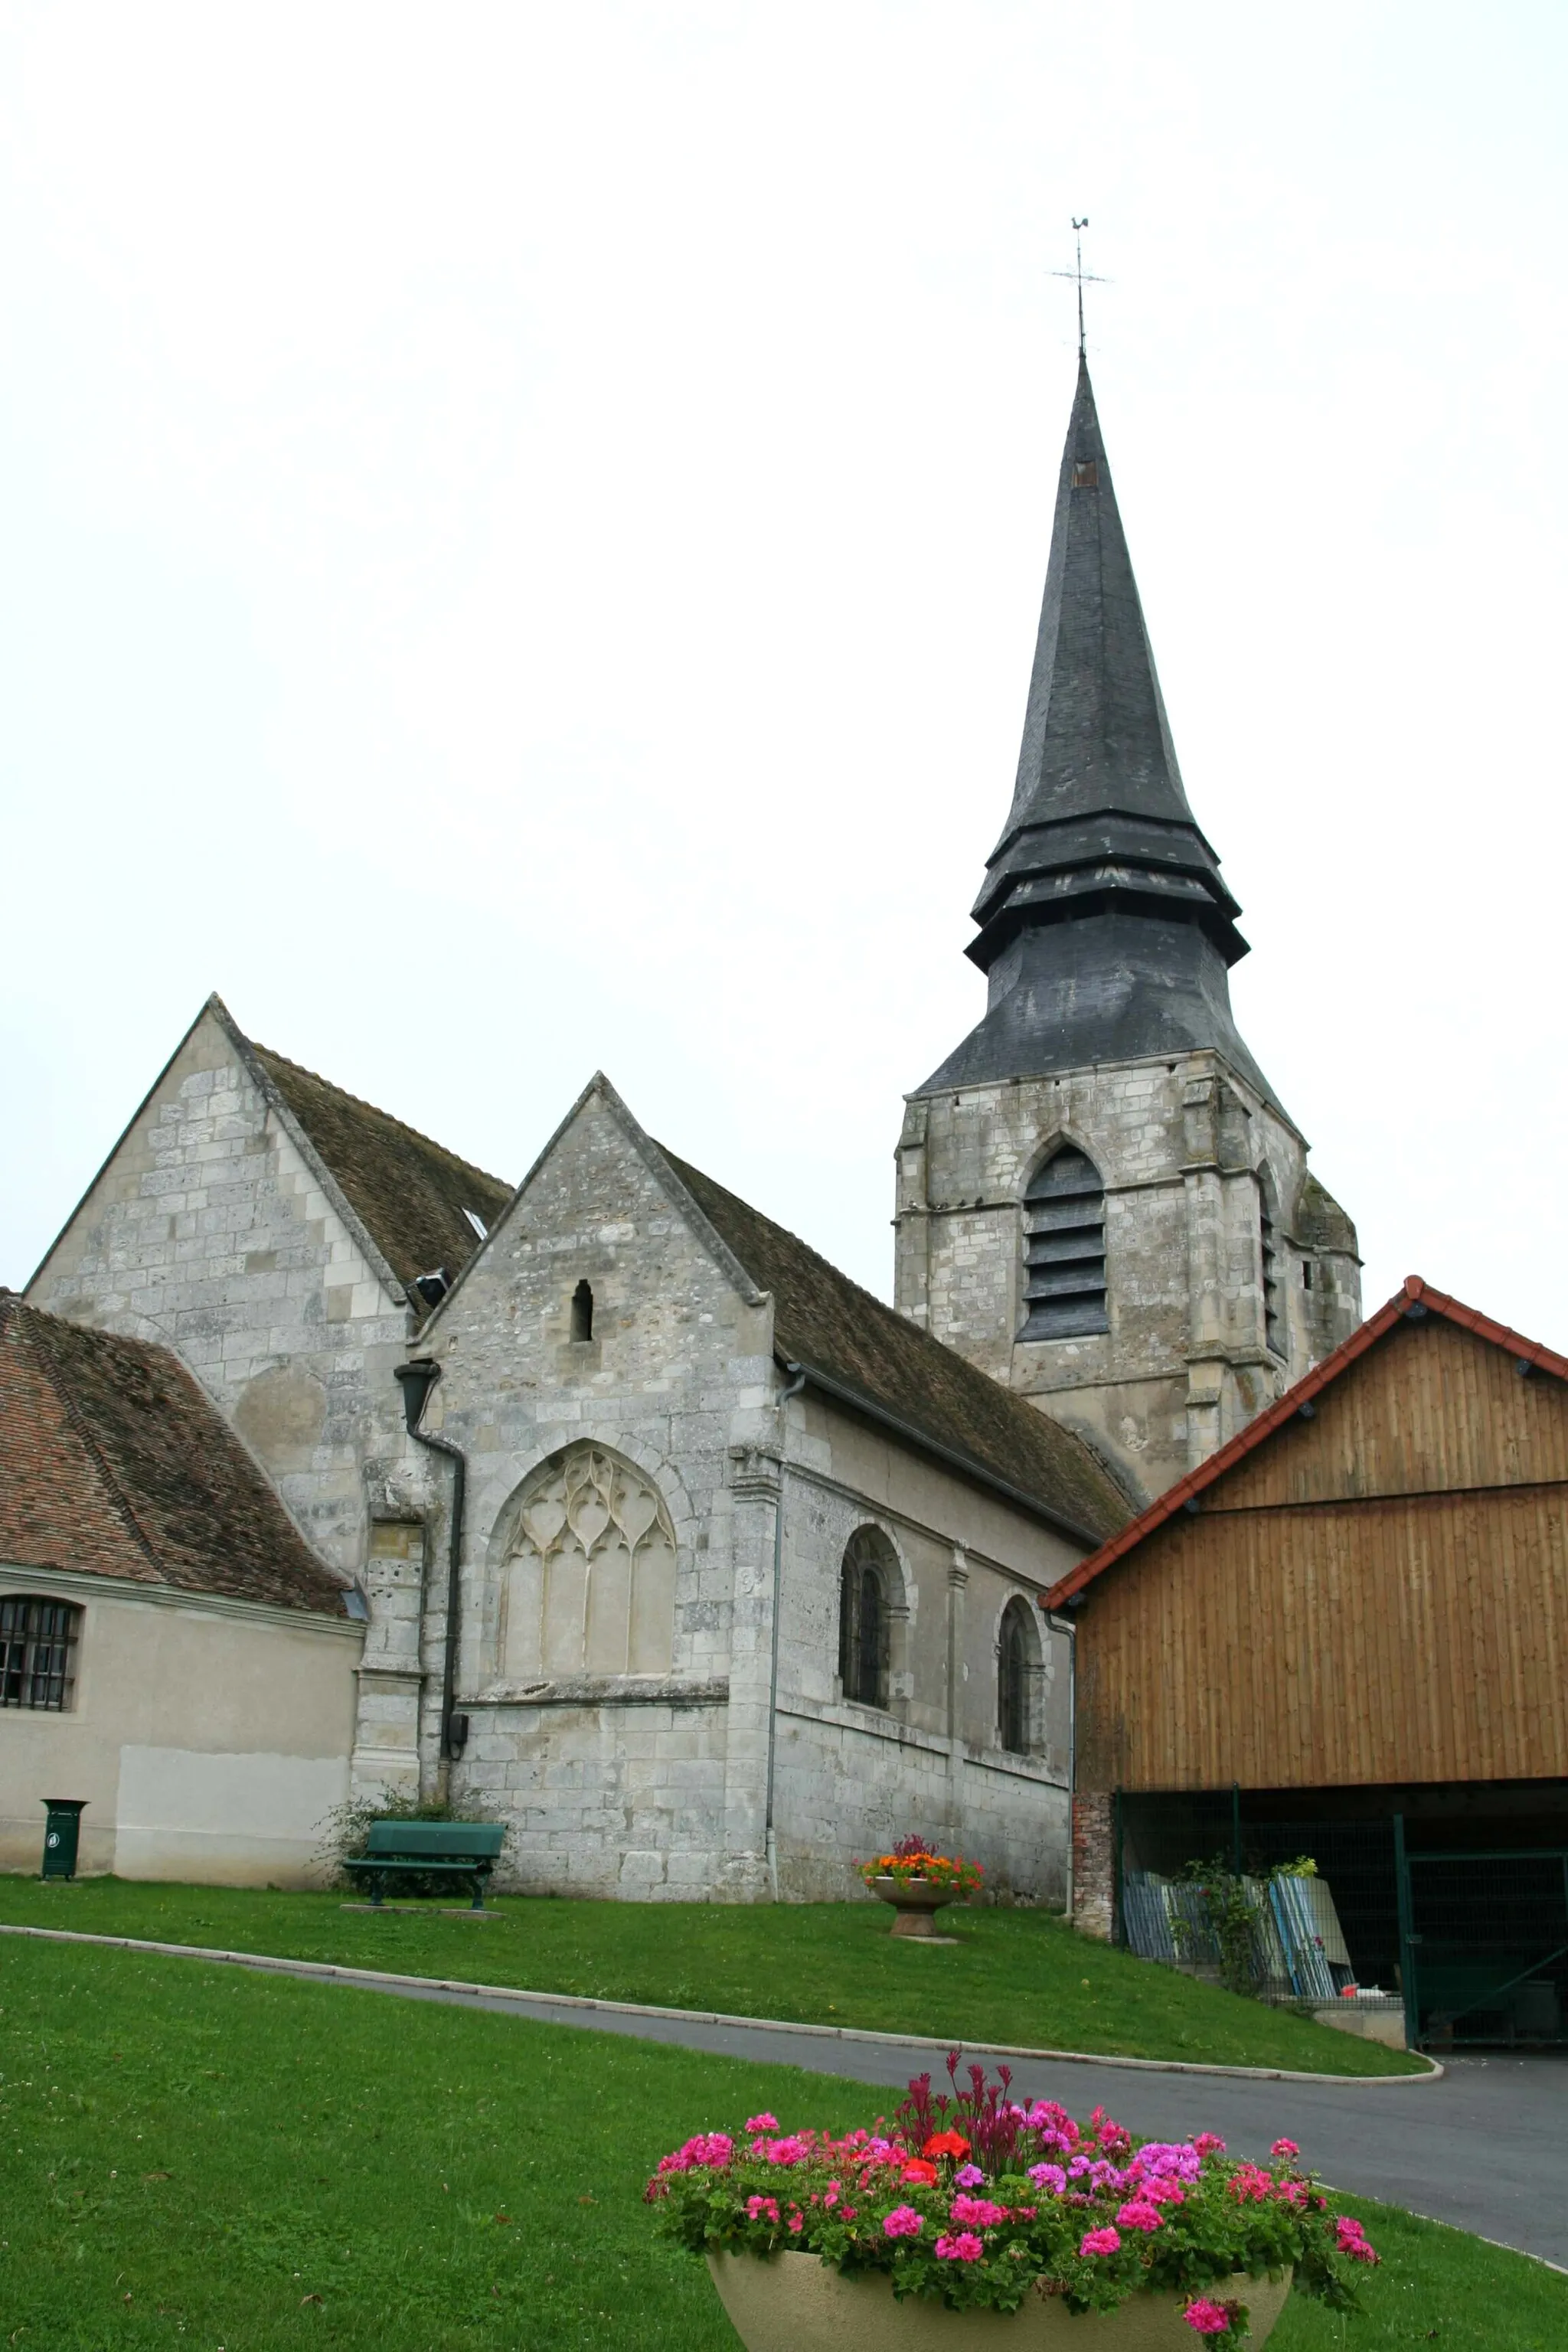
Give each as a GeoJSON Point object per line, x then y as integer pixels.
{"type": "Point", "coordinates": [493, 1996]}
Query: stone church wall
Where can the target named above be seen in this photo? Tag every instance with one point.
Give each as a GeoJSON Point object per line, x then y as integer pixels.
{"type": "Point", "coordinates": [1188, 1154]}
{"type": "Point", "coordinates": [632, 1784]}
{"type": "Point", "coordinates": [208, 1233]}
{"type": "Point", "coordinates": [625, 1769]}
{"type": "Point", "coordinates": [852, 1780]}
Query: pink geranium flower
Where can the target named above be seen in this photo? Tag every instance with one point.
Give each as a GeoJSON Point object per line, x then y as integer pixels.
{"type": "Point", "coordinates": [903, 2221]}
{"type": "Point", "coordinates": [1101, 2241]}
{"type": "Point", "coordinates": [1139, 2214]}
{"type": "Point", "coordinates": [965, 2248]}
{"type": "Point", "coordinates": [1209, 2144]}
{"type": "Point", "coordinates": [1209, 2318]}
{"type": "Point", "coordinates": [759, 2208]}
{"type": "Point", "coordinates": [1050, 2176]}
{"type": "Point", "coordinates": [1284, 2147]}
{"type": "Point", "coordinates": [977, 2212]}
{"type": "Point", "coordinates": [761, 2123]}
{"type": "Point", "coordinates": [968, 2175]}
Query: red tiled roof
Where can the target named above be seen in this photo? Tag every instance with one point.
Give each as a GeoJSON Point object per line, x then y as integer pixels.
{"type": "Point", "coordinates": [113, 1463]}
{"type": "Point", "coordinates": [1413, 1293]}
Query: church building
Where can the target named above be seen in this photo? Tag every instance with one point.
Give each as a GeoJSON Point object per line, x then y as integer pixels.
{"type": "Point", "coordinates": [1101, 1200]}
{"type": "Point", "coordinates": [701, 1567]}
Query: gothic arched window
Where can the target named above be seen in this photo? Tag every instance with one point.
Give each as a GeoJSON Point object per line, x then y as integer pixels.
{"type": "Point", "coordinates": [1064, 1249]}
{"type": "Point", "coordinates": [867, 1588]}
{"type": "Point", "coordinates": [589, 1572]}
{"type": "Point", "coordinates": [1017, 1676]}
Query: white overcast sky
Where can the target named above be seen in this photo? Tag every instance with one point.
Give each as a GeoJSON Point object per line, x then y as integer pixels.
{"type": "Point", "coordinates": [524, 530]}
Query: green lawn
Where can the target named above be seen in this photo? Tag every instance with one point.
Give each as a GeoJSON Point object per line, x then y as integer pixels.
{"type": "Point", "coordinates": [1020, 1977]}
{"type": "Point", "coordinates": [250, 2164]}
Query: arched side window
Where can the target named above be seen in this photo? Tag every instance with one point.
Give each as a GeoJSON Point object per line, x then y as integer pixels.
{"type": "Point", "coordinates": [589, 1574]}
{"type": "Point", "coordinates": [1064, 1249]}
{"type": "Point", "coordinates": [582, 1313]}
{"type": "Point", "coordinates": [1020, 1668]}
{"type": "Point", "coordinates": [1273, 1293]}
{"type": "Point", "coordinates": [869, 1591]}
{"type": "Point", "coordinates": [37, 1652]}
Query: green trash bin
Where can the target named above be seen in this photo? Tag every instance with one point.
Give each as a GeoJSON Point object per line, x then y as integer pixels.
{"type": "Point", "coordinates": [63, 1834]}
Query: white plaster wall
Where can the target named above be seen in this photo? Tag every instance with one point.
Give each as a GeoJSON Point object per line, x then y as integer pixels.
{"type": "Point", "coordinates": [210, 1738]}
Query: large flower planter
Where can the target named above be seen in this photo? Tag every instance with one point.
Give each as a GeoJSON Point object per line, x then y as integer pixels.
{"type": "Point", "coordinates": [915, 1900]}
{"type": "Point", "coordinates": [795, 2302]}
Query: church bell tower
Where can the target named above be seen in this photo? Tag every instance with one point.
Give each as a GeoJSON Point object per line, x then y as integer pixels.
{"type": "Point", "coordinates": [1101, 1200]}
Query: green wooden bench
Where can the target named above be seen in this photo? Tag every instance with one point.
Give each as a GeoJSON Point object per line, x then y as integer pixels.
{"type": "Point", "coordinates": [460, 1850]}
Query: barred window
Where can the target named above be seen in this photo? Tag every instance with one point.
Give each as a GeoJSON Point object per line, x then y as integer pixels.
{"type": "Point", "coordinates": [37, 1652]}
{"type": "Point", "coordinates": [1064, 1249]}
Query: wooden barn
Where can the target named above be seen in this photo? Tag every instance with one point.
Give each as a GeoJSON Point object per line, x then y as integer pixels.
{"type": "Point", "coordinates": [1346, 1636]}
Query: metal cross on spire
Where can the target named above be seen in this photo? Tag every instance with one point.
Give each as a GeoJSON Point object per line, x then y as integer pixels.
{"type": "Point", "coordinates": [1080, 275]}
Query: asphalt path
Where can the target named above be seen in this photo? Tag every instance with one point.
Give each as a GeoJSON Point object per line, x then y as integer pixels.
{"type": "Point", "coordinates": [1484, 2148]}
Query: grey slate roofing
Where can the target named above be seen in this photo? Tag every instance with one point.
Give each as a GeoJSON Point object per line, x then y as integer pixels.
{"type": "Point", "coordinates": [409, 1192]}
{"type": "Point", "coordinates": [825, 1321]}
{"type": "Point", "coordinates": [1105, 927]}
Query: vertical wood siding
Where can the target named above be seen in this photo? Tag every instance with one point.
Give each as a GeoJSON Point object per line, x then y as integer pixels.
{"type": "Point", "coordinates": [1379, 1594]}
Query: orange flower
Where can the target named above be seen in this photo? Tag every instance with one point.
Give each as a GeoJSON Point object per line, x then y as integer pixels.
{"type": "Point", "coordinates": [946, 2143]}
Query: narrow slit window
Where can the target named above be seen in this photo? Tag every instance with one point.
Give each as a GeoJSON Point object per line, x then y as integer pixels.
{"type": "Point", "coordinates": [1064, 1249]}
{"type": "Point", "coordinates": [581, 1312]}
{"type": "Point", "coordinates": [1017, 1676]}
{"type": "Point", "coordinates": [1273, 1299]}
{"type": "Point", "coordinates": [37, 1653]}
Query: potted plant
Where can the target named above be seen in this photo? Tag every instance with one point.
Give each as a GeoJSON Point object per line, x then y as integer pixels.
{"type": "Point", "coordinates": [918, 1883]}
{"type": "Point", "coordinates": [975, 2221]}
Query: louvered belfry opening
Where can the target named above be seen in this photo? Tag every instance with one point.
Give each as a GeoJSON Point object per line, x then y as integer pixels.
{"type": "Point", "coordinates": [1064, 1249]}
{"type": "Point", "coordinates": [1273, 1303]}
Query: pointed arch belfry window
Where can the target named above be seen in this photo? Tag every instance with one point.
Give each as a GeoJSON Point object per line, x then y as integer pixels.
{"type": "Point", "coordinates": [1064, 1249]}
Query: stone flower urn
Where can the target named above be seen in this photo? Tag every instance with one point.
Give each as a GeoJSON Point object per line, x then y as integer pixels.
{"type": "Point", "coordinates": [795, 2302]}
{"type": "Point", "coordinates": [916, 1902]}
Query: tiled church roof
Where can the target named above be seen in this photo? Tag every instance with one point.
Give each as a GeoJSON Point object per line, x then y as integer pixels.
{"type": "Point", "coordinates": [113, 1463]}
{"type": "Point", "coordinates": [825, 1322]}
{"type": "Point", "coordinates": [408, 1192]}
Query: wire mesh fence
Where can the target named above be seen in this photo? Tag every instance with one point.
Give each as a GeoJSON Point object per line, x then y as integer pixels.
{"type": "Point", "coordinates": [1419, 1940]}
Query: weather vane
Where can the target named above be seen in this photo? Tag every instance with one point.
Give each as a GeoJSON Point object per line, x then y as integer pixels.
{"type": "Point", "coordinates": [1080, 275]}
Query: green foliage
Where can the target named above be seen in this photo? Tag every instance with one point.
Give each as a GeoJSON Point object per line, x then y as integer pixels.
{"type": "Point", "coordinates": [196, 2157]}
{"type": "Point", "coordinates": [345, 1834]}
{"type": "Point", "coordinates": [1012, 1976]}
{"type": "Point", "coordinates": [1230, 1917]}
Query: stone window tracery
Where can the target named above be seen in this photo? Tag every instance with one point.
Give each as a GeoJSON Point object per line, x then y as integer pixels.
{"type": "Point", "coordinates": [589, 1576]}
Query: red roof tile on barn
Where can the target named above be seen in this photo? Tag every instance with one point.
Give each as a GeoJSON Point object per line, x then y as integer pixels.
{"type": "Point", "coordinates": [113, 1463]}
{"type": "Point", "coordinates": [1413, 1294]}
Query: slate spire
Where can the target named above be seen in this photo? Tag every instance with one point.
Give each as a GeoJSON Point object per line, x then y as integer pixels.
{"type": "Point", "coordinates": [1105, 927]}
{"type": "Point", "coordinates": [1099, 809]}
